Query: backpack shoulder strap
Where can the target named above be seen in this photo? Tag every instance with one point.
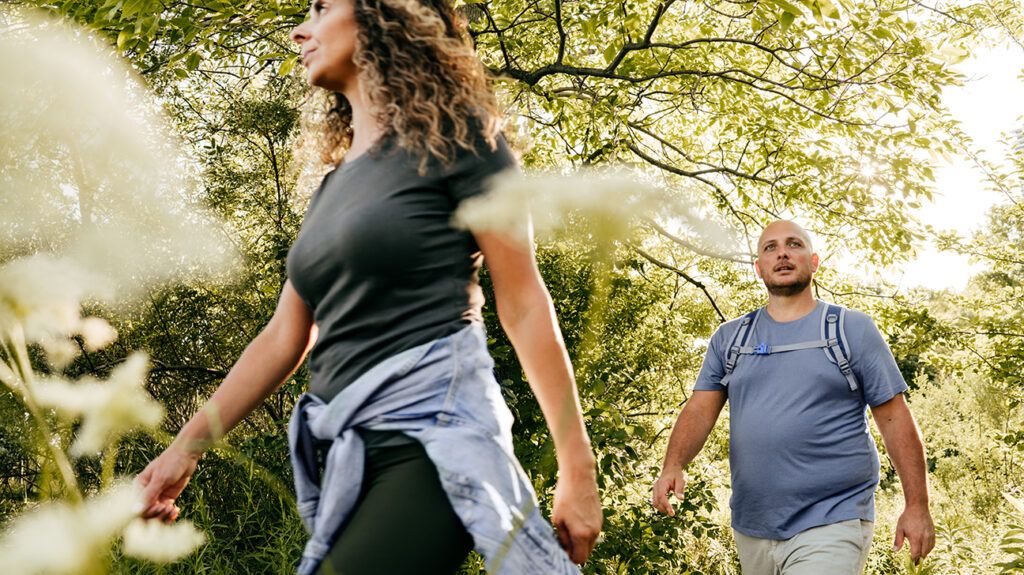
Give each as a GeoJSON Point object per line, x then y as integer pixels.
{"type": "Point", "coordinates": [837, 348]}
{"type": "Point", "coordinates": [739, 340]}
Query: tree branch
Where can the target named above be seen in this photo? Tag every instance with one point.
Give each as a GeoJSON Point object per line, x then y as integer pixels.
{"type": "Point", "coordinates": [683, 275]}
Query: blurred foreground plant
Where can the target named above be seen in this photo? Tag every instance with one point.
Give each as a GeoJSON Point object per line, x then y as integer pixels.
{"type": "Point", "coordinates": [93, 210]}
{"type": "Point", "coordinates": [1013, 542]}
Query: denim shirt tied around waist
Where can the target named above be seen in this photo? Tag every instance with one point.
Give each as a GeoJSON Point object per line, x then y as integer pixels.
{"type": "Point", "coordinates": [444, 395]}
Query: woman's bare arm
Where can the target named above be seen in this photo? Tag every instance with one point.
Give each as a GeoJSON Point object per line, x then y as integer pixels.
{"type": "Point", "coordinates": [265, 364]}
{"type": "Point", "coordinates": [528, 317]}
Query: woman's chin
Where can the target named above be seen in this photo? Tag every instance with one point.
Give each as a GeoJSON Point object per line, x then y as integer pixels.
{"type": "Point", "coordinates": [324, 81]}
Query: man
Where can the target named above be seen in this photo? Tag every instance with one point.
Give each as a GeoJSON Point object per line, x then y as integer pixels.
{"type": "Point", "coordinates": [804, 466]}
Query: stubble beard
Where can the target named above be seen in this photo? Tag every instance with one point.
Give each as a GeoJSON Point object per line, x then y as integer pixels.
{"type": "Point", "coordinates": [793, 288]}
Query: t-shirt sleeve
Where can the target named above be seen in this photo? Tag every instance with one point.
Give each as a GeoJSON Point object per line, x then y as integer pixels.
{"type": "Point", "coordinates": [289, 263]}
{"type": "Point", "coordinates": [471, 172]}
{"type": "Point", "coordinates": [713, 369]}
{"type": "Point", "coordinates": [316, 194]}
{"type": "Point", "coordinates": [872, 360]}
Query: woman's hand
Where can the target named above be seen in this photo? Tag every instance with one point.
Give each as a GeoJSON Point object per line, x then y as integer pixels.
{"type": "Point", "coordinates": [264, 365]}
{"type": "Point", "coordinates": [577, 512]}
{"type": "Point", "coordinates": [528, 316]}
{"type": "Point", "coordinates": [163, 480]}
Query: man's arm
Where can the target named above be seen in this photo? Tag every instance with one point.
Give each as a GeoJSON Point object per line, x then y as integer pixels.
{"type": "Point", "coordinates": [903, 442]}
{"type": "Point", "coordinates": [691, 430]}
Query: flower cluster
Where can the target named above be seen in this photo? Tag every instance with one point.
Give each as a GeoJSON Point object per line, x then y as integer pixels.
{"type": "Point", "coordinates": [59, 538]}
{"type": "Point", "coordinates": [612, 202]}
{"type": "Point", "coordinates": [107, 409]}
{"type": "Point", "coordinates": [95, 206]}
{"type": "Point", "coordinates": [42, 296]}
{"type": "Point", "coordinates": [88, 171]}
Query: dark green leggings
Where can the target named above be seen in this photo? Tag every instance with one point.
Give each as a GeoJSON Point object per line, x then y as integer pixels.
{"type": "Point", "coordinates": [403, 522]}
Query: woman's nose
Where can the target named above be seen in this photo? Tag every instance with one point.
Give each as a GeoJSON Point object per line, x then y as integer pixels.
{"type": "Point", "coordinates": [299, 34]}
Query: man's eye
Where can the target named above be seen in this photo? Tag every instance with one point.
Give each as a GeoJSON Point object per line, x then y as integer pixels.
{"type": "Point", "coordinates": [318, 7]}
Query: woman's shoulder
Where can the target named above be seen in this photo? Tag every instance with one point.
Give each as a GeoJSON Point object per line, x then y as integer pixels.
{"type": "Point", "coordinates": [493, 152]}
{"type": "Point", "coordinates": [470, 172]}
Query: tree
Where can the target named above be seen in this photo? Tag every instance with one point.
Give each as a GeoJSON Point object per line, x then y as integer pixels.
{"type": "Point", "coordinates": [828, 112]}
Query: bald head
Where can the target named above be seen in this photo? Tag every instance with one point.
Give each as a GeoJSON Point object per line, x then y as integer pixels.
{"type": "Point", "coordinates": [783, 229]}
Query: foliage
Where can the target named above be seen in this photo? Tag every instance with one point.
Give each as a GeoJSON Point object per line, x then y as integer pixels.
{"type": "Point", "coordinates": [825, 111]}
{"type": "Point", "coordinates": [72, 512]}
{"type": "Point", "coordinates": [1013, 541]}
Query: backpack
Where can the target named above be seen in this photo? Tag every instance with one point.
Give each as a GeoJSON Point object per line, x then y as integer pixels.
{"type": "Point", "coordinates": [833, 341]}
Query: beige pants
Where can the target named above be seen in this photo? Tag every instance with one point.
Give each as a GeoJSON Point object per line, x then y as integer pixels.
{"type": "Point", "coordinates": [837, 549]}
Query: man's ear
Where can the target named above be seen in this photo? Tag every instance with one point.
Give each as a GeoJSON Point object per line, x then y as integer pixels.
{"type": "Point", "coordinates": [757, 268]}
{"type": "Point", "coordinates": [815, 261]}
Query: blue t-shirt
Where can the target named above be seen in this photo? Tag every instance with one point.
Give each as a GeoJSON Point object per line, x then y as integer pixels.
{"type": "Point", "coordinates": [800, 451]}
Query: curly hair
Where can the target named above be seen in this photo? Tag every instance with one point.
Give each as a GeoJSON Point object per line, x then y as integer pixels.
{"type": "Point", "coordinates": [421, 75]}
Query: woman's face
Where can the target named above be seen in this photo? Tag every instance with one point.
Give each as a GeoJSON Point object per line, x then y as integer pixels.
{"type": "Point", "coordinates": [327, 39]}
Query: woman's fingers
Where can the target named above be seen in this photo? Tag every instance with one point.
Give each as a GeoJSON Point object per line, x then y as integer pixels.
{"type": "Point", "coordinates": [583, 541]}
{"type": "Point", "coordinates": [161, 483]}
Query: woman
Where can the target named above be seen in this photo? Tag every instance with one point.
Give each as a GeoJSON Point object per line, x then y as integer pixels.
{"type": "Point", "coordinates": [402, 448]}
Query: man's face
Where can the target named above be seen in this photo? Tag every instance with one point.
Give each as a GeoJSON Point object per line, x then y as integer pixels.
{"type": "Point", "coordinates": [785, 261]}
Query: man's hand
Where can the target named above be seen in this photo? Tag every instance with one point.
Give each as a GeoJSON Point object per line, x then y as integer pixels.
{"type": "Point", "coordinates": [915, 525]}
{"type": "Point", "coordinates": [576, 513]}
{"type": "Point", "coordinates": [671, 481]}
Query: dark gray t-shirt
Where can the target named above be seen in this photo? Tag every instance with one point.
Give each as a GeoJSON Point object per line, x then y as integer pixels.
{"type": "Point", "coordinates": [378, 261]}
{"type": "Point", "coordinates": [800, 451]}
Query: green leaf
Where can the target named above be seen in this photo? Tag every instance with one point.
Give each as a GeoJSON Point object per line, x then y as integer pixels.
{"type": "Point", "coordinates": [122, 39]}
{"type": "Point", "coordinates": [789, 7]}
{"type": "Point", "coordinates": [131, 8]}
{"type": "Point", "coordinates": [192, 61]}
{"type": "Point", "coordinates": [286, 65]}
{"type": "Point", "coordinates": [828, 9]}
{"type": "Point", "coordinates": [786, 20]}
{"type": "Point", "coordinates": [881, 33]}
{"type": "Point", "coordinates": [610, 52]}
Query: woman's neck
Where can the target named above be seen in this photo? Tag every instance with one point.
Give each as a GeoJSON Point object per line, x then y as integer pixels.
{"type": "Point", "coordinates": [365, 129]}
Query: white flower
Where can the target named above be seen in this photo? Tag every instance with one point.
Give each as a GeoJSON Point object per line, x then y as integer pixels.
{"type": "Point", "coordinates": [59, 350]}
{"type": "Point", "coordinates": [96, 333]}
{"type": "Point", "coordinates": [48, 539]}
{"type": "Point", "coordinates": [43, 294]}
{"type": "Point", "coordinates": [612, 201]}
{"type": "Point", "coordinates": [108, 409]}
{"type": "Point", "coordinates": [91, 171]}
{"type": "Point", "coordinates": [59, 538]}
{"type": "Point", "coordinates": [161, 543]}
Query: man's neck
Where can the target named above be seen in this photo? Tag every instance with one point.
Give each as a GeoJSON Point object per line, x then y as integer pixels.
{"type": "Point", "coordinates": [789, 308]}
